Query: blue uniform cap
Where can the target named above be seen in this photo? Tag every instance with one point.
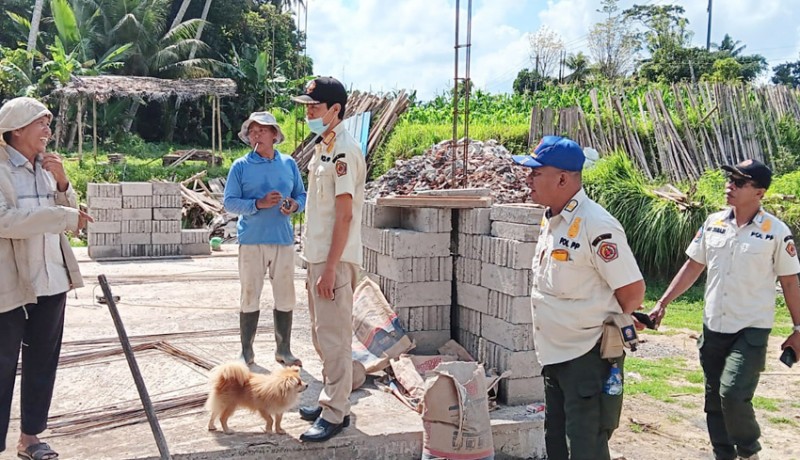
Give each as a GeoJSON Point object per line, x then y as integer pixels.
{"type": "Point", "coordinates": [556, 151]}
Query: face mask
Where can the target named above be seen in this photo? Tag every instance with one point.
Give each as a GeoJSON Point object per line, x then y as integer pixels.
{"type": "Point", "coordinates": [316, 125]}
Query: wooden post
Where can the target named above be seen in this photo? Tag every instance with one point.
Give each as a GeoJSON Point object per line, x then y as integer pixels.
{"type": "Point", "coordinates": [213, 124]}
{"type": "Point", "coordinates": [94, 128]}
{"type": "Point", "coordinates": [219, 126]}
{"type": "Point", "coordinates": [80, 129]}
{"type": "Point", "coordinates": [59, 122]}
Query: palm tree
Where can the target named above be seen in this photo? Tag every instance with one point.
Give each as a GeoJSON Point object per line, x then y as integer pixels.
{"type": "Point", "coordinates": [730, 46]}
{"type": "Point", "coordinates": [35, 20]}
{"type": "Point", "coordinates": [181, 12]}
{"type": "Point", "coordinates": [579, 65]}
{"type": "Point", "coordinates": [199, 34]}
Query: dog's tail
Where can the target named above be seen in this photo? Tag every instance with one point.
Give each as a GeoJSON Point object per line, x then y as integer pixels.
{"type": "Point", "coordinates": [228, 373]}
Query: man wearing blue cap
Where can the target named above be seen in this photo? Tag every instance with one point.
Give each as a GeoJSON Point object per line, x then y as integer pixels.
{"type": "Point", "coordinates": [583, 272]}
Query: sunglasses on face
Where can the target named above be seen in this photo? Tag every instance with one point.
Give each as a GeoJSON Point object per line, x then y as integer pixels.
{"type": "Point", "coordinates": [739, 182]}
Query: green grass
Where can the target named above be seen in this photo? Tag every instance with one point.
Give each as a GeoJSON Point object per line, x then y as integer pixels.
{"type": "Point", "coordinates": [662, 379]}
{"type": "Point", "coordinates": [767, 404]}
{"type": "Point", "coordinates": [782, 421]}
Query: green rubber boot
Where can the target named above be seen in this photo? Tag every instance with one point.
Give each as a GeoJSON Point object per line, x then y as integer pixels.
{"type": "Point", "coordinates": [248, 324]}
{"type": "Point", "coordinates": [283, 338]}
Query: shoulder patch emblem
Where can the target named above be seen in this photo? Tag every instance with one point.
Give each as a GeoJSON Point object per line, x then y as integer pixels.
{"type": "Point", "coordinates": [574, 228]}
{"type": "Point", "coordinates": [791, 249]}
{"type": "Point", "coordinates": [571, 205]}
{"type": "Point", "coordinates": [698, 236]}
{"type": "Point", "coordinates": [607, 251]}
{"type": "Point", "coordinates": [767, 225]}
{"type": "Point", "coordinates": [341, 168]}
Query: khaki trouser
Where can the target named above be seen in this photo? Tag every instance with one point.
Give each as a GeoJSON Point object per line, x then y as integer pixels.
{"type": "Point", "coordinates": [332, 334]}
{"type": "Point", "coordinates": [255, 261]}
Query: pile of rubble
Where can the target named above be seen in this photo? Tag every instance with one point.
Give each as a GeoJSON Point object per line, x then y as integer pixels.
{"type": "Point", "coordinates": [489, 166]}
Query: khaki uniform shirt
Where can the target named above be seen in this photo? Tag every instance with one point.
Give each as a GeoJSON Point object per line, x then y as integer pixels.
{"type": "Point", "coordinates": [581, 257]}
{"type": "Point", "coordinates": [337, 168]}
{"type": "Point", "coordinates": [743, 265]}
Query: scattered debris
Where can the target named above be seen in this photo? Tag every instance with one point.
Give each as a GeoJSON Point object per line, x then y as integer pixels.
{"type": "Point", "coordinates": [489, 165]}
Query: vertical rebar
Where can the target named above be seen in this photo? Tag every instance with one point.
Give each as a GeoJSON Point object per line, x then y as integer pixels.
{"type": "Point", "coordinates": [454, 145]}
{"type": "Point", "coordinates": [467, 90]}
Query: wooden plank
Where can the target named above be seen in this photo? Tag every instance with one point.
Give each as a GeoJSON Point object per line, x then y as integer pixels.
{"type": "Point", "coordinates": [416, 201]}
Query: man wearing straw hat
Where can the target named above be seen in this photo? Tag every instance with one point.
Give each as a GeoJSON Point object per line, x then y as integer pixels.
{"type": "Point", "coordinates": [265, 188]}
{"type": "Point", "coordinates": [37, 205]}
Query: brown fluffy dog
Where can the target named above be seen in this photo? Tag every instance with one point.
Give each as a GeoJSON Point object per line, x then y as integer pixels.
{"type": "Point", "coordinates": [234, 386]}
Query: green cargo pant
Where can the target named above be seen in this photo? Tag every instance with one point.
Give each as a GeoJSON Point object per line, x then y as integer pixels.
{"type": "Point", "coordinates": [579, 417]}
{"type": "Point", "coordinates": [732, 365]}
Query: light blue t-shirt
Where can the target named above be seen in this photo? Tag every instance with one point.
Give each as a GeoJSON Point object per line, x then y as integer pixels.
{"type": "Point", "coordinates": [250, 178]}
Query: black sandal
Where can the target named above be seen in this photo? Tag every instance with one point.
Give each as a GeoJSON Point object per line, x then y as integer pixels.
{"type": "Point", "coordinates": [38, 451]}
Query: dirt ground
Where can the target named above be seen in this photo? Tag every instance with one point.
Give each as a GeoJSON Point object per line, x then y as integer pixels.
{"type": "Point", "coordinates": [652, 429]}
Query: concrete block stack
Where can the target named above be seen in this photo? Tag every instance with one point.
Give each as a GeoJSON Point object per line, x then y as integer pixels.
{"type": "Point", "coordinates": [140, 219]}
{"type": "Point", "coordinates": [407, 252]}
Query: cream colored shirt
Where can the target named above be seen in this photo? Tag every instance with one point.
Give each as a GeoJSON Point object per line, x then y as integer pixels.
{"type": "Point", "coordinates": [581, 257]}
{"type": "Point", "coordinates": [743, 265]}
{"type": "Point", "coordinates": [337, 168]}
{"type": "Point", "coordinates": [37, 188]}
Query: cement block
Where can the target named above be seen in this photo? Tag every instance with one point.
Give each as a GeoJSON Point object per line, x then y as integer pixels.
{"type": "Point", "coordinates": [515, 310]}
{"type": "Point", "coordinates": [164, 250]}
{"type": "Point", "coordinates": [413, 269]}
{"type": "Point", "coordinates": [133, 202]}
{"type": "Point", "coordinates": [427, 220]}
{"type": "Point", "coordinates": [167, 214]}
{"type": "Point", "coordinates": [167, 226]}
{"type": "Point", "coordinates": [469, 320]}
{"type": "Point", "coordinates": [369, 260]}
{"type": "Point", "coordinates": [506, 280]}
{"type": "Point", "coordinates": [104, 227]}
{"type": "Point", "coordinates": [428, 342]}
{"type": "Point", "coordinates": [419, 294]}
{"type": "Point", "coordinates": [195, 249]}
{"type": "Point", "coordinates": [473, 343]}
{"type": "Point", "coordinates": [105, 252]}
{"type": "Point", "coordinates": [472, 297]}
{"type": "Point", "coordinates": [522, 255]}
{"type": "Point", "coordinates": [104, 203]}
{"type": "Point", "coordinates": [432, 318]}
{"type": "Point", "coordinates": [400, 243]}
{"type": "Point", "coordinates": [518, 213]}
{"type": "Point", "coordinates": [376, 216]}
{"type": "Point", "coordinates": [166, 188]}
{"type": "Point", "coordinates": [137, 214]}
{"type": "Point", "coordinates": [137, 226]}
{"type": "Point", "coordinates": [468, 270]}
{"type": "Point", "coordinates": [523, 364]}
{"type": "Point", "coordinates": [194, 235]}
{"type": "Point", "coordinates": [166, 238]}
{"type": "Point", "coordinates": [167, 201]}
{"type": "Point", "coordinates": [518, 232]}
{"type": "Point", "coordinates": [135, 250]}
{"type": "Point", "coordinates": [104, 239]}
{"type": "Point", "coordinates": [474, 221]}
{"type": "Point", "coordinates": [137, 189]}
{"type": "Point", "coordinates": [521, 391]}
{"type": "Point", "coordinates": [106, 215]}
{"type": "Point", "coordinates": [135, 238]}
{"type": "Point", "coordinates": [103, 190]}
{"type": "Point", "coordinates": [515, 337]}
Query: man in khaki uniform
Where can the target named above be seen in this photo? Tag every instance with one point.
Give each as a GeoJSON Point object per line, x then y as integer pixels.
{"type": "Point", "coordinates": [746, 249]}
{"type": "Point", "coordinates": [583, 272]}
{"type": "Point", "coordinates": [336, 177]}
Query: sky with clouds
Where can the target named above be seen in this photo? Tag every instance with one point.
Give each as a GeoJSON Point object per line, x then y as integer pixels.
{"type": "Point", "coordinates": [383, 45]}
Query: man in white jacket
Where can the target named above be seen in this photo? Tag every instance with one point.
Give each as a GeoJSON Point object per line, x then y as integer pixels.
{"type": "Point", "coordinates": [37, 205]}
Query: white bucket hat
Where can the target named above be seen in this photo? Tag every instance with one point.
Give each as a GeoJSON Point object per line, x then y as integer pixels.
{"type": "Point", "coordinates": [19, 113]}
{"type": "Point", "coordinates": [262, 118]}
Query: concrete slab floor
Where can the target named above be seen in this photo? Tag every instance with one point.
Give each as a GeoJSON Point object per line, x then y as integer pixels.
{"type": "Point", "coordinates": [177, 296]}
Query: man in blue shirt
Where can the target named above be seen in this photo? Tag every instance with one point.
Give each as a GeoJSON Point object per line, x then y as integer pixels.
{"type": "Point", "coordinates": [265, 188]}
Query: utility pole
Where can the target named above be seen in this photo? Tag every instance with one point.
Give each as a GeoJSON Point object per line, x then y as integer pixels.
{"type": "Point", "coordinates": [708, 34]}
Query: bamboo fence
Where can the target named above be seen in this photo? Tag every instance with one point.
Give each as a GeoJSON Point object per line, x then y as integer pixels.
{"type": "Point", "coordinates": [679, 133]}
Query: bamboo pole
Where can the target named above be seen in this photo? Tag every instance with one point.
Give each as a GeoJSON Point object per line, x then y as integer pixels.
{"type": "Point", "coordinates": [80, 129]}
{"type": "Point", "coordinates": [213, 124]}
{"type": "Point", "coordinates": [94, 129]}
{"type": "Point", "coordinates": [219, 128]}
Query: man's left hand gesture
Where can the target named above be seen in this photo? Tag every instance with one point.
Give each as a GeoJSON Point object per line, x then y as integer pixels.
{"type": "Point", "coordinates": [794, 342]}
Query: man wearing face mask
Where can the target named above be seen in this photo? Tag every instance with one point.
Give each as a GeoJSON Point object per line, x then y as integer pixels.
{"type": "Point", "coordinates": [336, 177]}
{"type": "Point", "coordinates": [265, 188]}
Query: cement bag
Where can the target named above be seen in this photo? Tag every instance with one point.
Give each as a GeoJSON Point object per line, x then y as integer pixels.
{"type": "Point", "coordinates": [455, 413]}
{"type": "Point", "coordinates": [411, 371]}
{"type": "Point", "coordinates": [377, 333]}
